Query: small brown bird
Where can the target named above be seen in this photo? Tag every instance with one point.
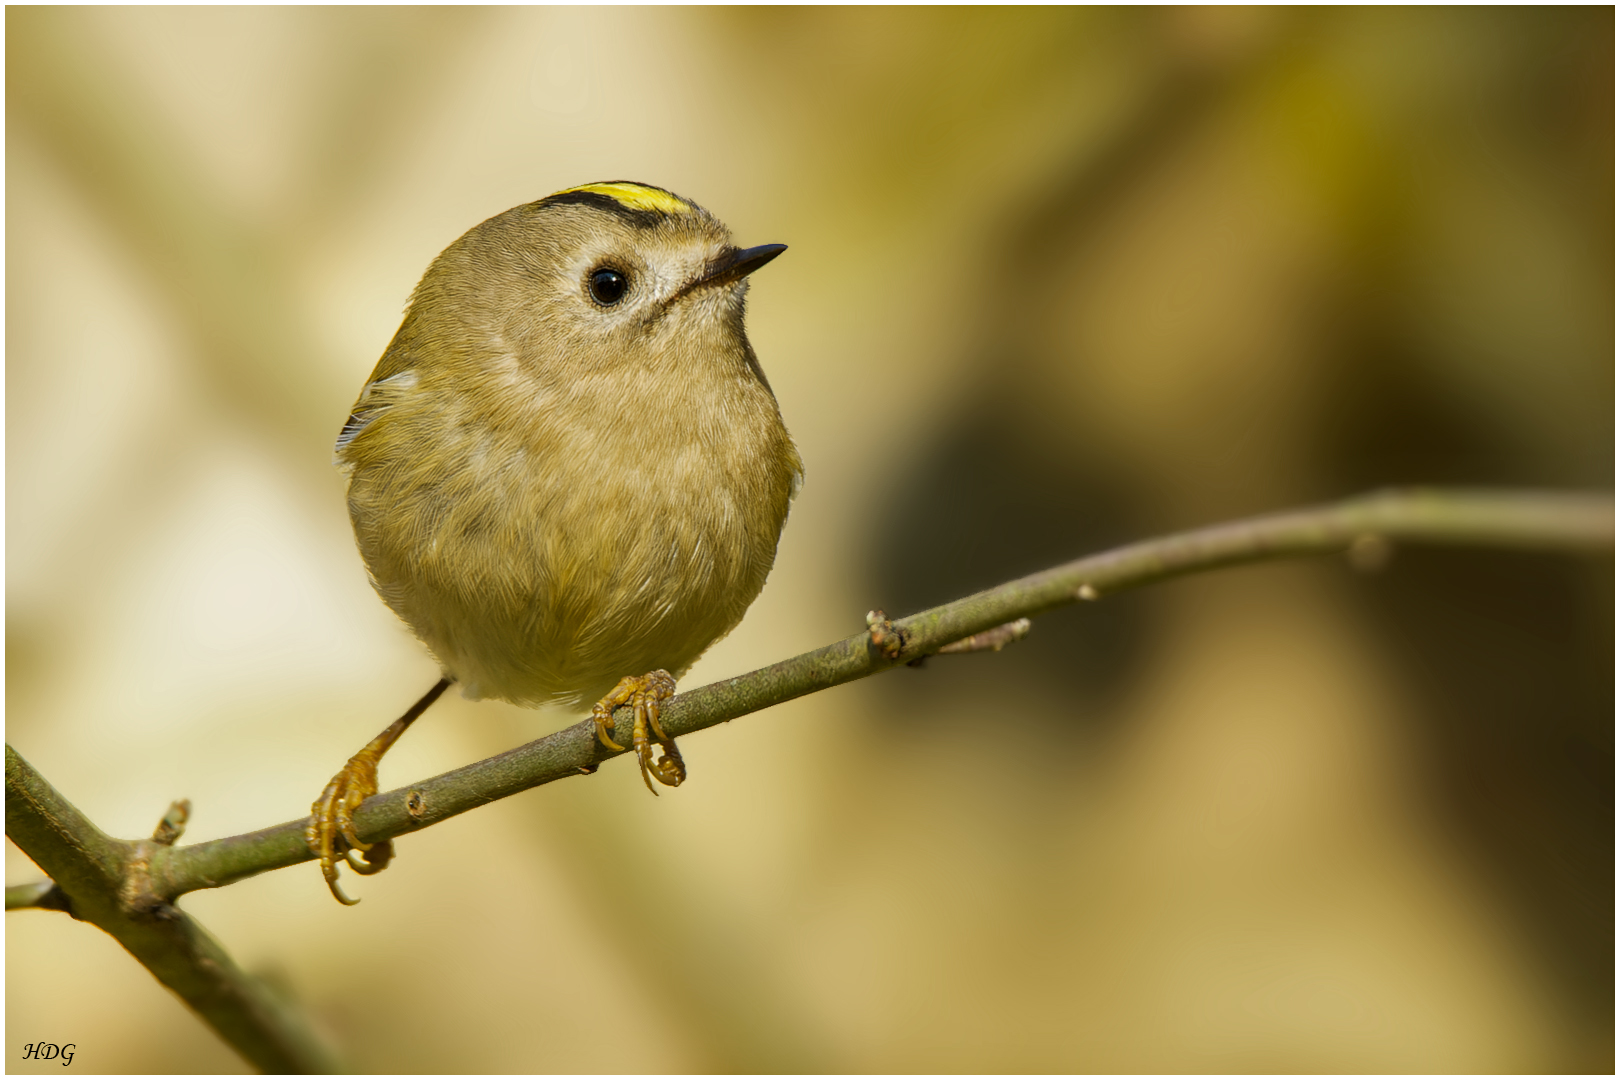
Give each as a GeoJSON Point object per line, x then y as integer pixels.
{"type": "Point", "coordinates": [568, 473]}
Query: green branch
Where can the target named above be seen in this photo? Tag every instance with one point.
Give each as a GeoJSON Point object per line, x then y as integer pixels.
{"type": "Point", "coordinates": [128, 888]}
{"type": "Point", "coordinates": [103, 881]}
{"type": "Point", "coordinates": [1482, 518]}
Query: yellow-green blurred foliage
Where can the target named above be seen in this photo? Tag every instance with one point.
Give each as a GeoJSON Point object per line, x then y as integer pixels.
{"type": "Point", "coordinates": [1057, 278]}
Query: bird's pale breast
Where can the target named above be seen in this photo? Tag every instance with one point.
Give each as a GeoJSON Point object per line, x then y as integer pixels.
{"type": "Point", "coordinates": [543, 560]}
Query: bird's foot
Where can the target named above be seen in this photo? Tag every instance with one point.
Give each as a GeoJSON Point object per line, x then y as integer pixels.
{"type": "Point", "coordinates": [332, 815]}
{"type": "Point", "coordinates": [645, 694]}
{"type": "Point", "coordinates": [332, 821]}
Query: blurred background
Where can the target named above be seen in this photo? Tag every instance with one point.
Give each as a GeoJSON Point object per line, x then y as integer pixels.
{"type": "Point", "coordinates": [1058, 279]}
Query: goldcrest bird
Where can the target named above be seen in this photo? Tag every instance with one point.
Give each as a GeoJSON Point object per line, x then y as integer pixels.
{"type": "Point", "coordinates": [568, 473]}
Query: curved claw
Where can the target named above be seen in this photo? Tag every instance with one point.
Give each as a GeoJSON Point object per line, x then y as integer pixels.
{"type": "Point", "coordinates": [345, 820]}
{"type": "Point", "coordinates": [374, 858]}
{"type": "Point", "coordinates": [657, 728]}
{"type": "Point", "coordinates": [603, 726]}
{"type": "Point", "coordinates": [669, 769]}
{"type": "Point", "coordinates": [602, 711]}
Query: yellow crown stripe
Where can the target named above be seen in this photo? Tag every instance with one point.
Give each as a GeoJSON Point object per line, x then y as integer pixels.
{"type": "Point", "coordinates": [637, 197]}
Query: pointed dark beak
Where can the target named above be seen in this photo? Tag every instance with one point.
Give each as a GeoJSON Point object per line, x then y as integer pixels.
{"type": "Point", "coordinates": [738, 263]}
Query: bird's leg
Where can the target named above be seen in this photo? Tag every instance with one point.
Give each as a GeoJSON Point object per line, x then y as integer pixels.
{"type": "Point", "coordinates": [332, 815]}
{"type": "Point", "coordinates": [645, 694]}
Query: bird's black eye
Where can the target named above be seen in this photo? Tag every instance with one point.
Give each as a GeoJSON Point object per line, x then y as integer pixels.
{"type": "Point", "coordinates": [608, 286]}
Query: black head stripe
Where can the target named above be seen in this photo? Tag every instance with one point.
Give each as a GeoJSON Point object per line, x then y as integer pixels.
{"type": "Point", "coordinates": [645, 219]}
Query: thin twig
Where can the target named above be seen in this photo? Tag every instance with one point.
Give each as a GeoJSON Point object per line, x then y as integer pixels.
{"type": "Point", "coordinates": [1525, 520]}
{"type": "Point", "coordinates": [43, 895]}
{"type": "Point", "coordinates": [992, 640]}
